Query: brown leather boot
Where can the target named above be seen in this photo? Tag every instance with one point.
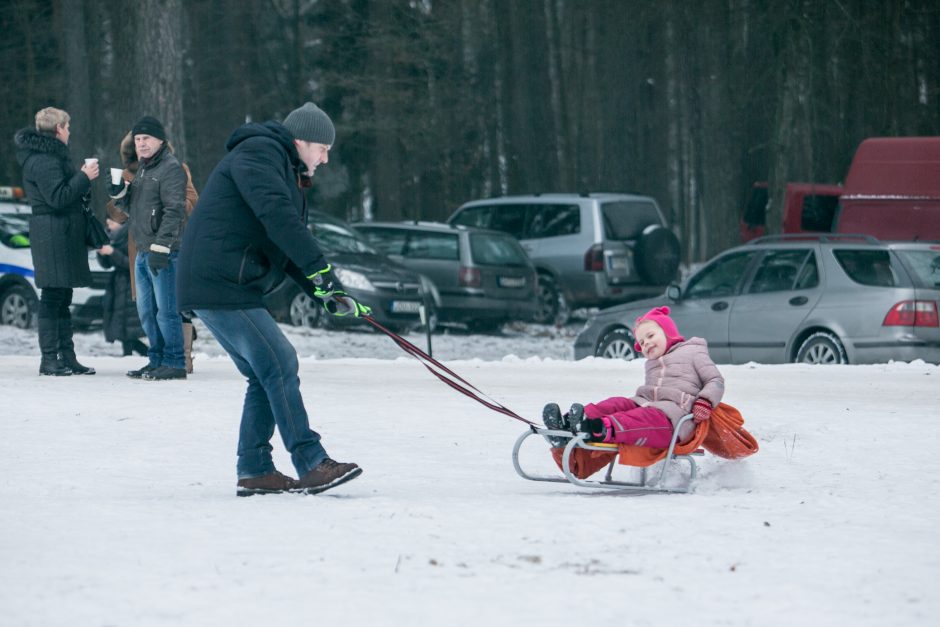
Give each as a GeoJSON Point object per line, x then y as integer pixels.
{"type": "Point", "coordinates": [270, 483]}
{"type": "Point", "coordinates": [188, 346]}
{"type": "Point", "coordinates": [328, 474]}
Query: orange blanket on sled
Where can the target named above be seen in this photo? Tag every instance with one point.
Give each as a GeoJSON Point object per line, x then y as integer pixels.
{"type": "Point", "coordinates": [723, 435]}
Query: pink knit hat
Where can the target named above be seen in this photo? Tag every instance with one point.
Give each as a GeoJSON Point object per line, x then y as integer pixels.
{"type": "Point", "coordinates": [660, 315]}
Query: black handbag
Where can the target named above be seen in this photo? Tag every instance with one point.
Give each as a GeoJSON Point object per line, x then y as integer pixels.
{"type": "Point", "coordinates": [95, 234]}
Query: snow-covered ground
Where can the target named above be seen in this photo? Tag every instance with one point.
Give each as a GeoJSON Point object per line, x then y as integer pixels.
{"type": "Point", "coordinates": [117, 501]}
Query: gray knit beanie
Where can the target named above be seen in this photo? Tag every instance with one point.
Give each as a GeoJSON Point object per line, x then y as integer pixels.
{"type": "Point", "coordinates": [310, 124]}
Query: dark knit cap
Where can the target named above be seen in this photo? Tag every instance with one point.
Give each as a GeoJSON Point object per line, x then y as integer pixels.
{"type": "Point", "coordinates": [310, 124]}
{"type": "Point", "coordinates": [149, 125]}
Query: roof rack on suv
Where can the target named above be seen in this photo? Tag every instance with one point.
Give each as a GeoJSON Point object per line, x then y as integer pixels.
{"type": "Point", "coordinates": [822, 237]}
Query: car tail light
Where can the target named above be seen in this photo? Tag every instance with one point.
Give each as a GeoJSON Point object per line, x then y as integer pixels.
{"type": "Point", "coordinates": [594, 259]}
{"type": "Point", "coordinates": [469, 277]}
{"type": "Point", "coordinates": [912, 313]}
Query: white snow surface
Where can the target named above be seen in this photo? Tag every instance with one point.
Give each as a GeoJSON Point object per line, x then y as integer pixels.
{"type": "Point", "coordinates": [118, 507]}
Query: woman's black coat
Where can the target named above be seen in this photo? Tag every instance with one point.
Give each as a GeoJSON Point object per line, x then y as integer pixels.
{"type": "Point", "coordinates": [54, 189]}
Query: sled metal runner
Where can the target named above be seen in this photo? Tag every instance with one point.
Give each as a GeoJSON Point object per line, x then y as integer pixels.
{"type": "Point", "coordinates": [579, 440]}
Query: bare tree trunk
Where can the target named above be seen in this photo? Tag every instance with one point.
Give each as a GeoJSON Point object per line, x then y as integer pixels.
{"type": "Point", "coordinates": [558, 88]}
{"type": "Point", "coordinates": [673, 130]}
{"type": "Point", "coordinates": [386, 158]}
{"type": "Point", "coordinates": [792, 148]}
{"type": "Point", "coordinates": [532, 162]}
{"type": "Point", "coordinates": [77, 78]}
{"type": "Point", "coordinates": [159, 65]}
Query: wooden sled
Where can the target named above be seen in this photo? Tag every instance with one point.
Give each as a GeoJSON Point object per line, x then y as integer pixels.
{"type": "Point", "coordinates": [578, 442]}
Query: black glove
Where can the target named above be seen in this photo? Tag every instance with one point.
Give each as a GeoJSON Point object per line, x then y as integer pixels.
{"type": "Point", "coordinates": [117, 191]}
{"type": "Point", "coordinates": [342, 304]}
{"type": "Point", "coordinates": [158, 261]}
{"type": "Point", "coordinates": [325, 283]}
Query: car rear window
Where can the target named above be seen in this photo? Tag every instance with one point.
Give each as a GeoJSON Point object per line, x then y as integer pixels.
{"type": "Point", "coordinates": [925, 265]}
{"type": "Point", "coordinates": [496, 250]}
{"type": "Point", "coordinates": [553, 220]}
{"type": "Point", "coordinates": [506, 218]}
{"type": "Point", "coordinates": [868, 267]}
{"type": "Point", "coordinates": [433, 246]}
{"type": "Point", "coordinates": [388, 241]}
{"type": "Point", "coordinates": [626, 219]}
{"type": "Point", "coordinates": [335, 238]}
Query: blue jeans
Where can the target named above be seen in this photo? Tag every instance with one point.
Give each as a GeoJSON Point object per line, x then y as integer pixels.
{"type": "Point", "coordinates": [264, 355]}
{"type": "Point", "coordinates": [156, 307]}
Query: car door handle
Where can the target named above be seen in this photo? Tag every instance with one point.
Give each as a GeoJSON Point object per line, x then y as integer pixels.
{"type": "Point", "coordinates": [720, 305]}
{"type": "Point", "coordinates": [798, 300]}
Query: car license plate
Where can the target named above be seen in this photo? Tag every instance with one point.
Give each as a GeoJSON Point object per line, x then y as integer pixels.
{"type": "Point", "coordinates": [511, 281]}
{"type": "Point", "coordinates": [405, 306]}
{"type": "Point", "coordinates": [618, 263]}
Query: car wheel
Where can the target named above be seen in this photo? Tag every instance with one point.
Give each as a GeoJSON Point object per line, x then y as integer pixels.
{"type": "Point", "coordinates": [18, 307]}
{"type": "Point", "coordinates": [548, 300]}
{"type": "Point", "coordinates": [304, 311]}
{"type": "Point", "coordinates": [822, 348]}
{"type": "Point", "coordinates": [657, 255]}
{"type": "Point", "coordinates": [616, 344]}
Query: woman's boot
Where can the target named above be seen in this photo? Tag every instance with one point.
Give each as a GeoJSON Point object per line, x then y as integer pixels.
{"type": "Point", "coordinates": [49, 346]}
{"type": "Point", "coordinates": [67, 347]}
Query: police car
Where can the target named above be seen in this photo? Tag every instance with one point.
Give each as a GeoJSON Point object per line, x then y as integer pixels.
{"type": "Point", "coordinates": [19, 297]}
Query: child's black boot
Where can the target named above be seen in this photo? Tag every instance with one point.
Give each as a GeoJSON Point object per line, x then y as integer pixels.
{"type": "Point", "coordinates": [594, 427]}
{"type": "Point", "coordinates": [551, 416]}
{"type": "Point", "coordinates": [574, 416]}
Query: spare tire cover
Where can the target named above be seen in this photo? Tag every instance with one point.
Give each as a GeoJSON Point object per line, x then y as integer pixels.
{"type": "Point", "coordinates": [657, 255]}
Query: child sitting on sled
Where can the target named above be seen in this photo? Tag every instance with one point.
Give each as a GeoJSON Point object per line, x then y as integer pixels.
{"type": "Point", "coordinates": [680, 379]}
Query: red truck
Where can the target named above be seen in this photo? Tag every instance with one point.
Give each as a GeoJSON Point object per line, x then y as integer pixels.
{"type": "Point", "coordinates": [892, 191]}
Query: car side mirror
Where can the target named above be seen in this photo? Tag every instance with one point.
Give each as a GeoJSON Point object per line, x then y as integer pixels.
{"type": "Point", "coordinates": [674, 292]}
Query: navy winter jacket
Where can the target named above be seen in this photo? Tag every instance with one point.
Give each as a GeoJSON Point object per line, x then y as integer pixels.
{"type": "Point", "coordinates": [249, 225]}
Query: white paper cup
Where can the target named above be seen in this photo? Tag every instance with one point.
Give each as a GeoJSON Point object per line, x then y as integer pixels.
{"type": "Point", "coordinates": [116, 176]}
{"type": "Point", "coordinates": [91, 161]}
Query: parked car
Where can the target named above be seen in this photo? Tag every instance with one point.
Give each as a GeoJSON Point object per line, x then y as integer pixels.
{"type": "Point", "coordinates": [484, 278]}
{"type": "Point", "coordinates": [394, 293]}
{"type": "Point", "coordinates": [828, 299]}
{"type": "Point", "coordinates": [19, 300]}
{"type": "Point", "coordinates": [590, 250]}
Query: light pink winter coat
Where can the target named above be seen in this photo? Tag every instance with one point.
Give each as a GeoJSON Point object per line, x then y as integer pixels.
{"type": "Point", "coordinates": [684, 373]}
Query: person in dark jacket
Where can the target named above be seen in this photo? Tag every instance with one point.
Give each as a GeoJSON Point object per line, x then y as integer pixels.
{"type": "Point", "coordinates": [121, 321]}
{"type": "Point", "coordinates": [154, 202]}
{"type": "Point", "coordinates": [248, 229]}
{"type": "Point", "coordinates": [57, 194]}
{"type": "Point", "coordinates": [131, 164]}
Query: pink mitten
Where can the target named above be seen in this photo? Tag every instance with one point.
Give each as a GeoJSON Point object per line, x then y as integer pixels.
{"type": "Point", "coordinates": [701, 410]}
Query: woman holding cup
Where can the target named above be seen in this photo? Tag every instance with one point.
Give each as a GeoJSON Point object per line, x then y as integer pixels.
{"type": "Point", "coordinates": [57, 193]}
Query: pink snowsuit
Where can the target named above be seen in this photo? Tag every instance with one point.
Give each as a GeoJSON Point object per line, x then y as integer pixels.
{"type": "Point", "coordinates": [673, 383]}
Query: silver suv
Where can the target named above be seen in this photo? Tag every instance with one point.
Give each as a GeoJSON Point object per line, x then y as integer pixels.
{"type": "Point", "coordinates": [590, 250]}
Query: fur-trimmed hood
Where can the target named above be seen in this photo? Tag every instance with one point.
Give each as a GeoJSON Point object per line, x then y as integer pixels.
{"type": "Point", "coordinates": [29, 140]}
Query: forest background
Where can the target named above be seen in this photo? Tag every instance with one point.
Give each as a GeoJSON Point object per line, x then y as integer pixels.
{"type": "Point", "coordinates": [437, 102]}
